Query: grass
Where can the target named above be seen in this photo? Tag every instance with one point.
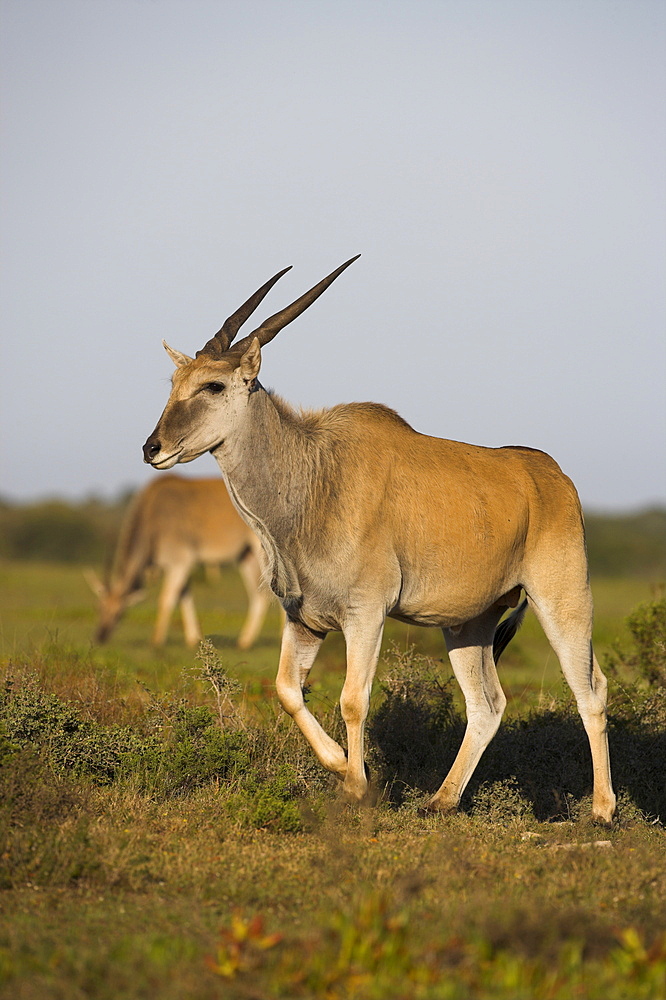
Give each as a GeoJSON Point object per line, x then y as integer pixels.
{"type": "Point", "coordinates": [47, 603]}
{"type": "Point", "coordinates": [161, 836]}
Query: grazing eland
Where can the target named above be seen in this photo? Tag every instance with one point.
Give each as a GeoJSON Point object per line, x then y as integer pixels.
{"type": "Point", "coordinates": [172, 525]}
{"type": "Point", "coordinates": [361, 517]}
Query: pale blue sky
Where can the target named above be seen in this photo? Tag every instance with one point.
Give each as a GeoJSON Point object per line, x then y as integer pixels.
{"type": "Point", "coordinates": [499, 164]}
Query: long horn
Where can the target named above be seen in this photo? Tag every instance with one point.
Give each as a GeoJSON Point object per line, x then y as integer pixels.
{"type": "Point", "coordinates": [223, 339]}
{"type": "Point", "coordinates": [272, 326]}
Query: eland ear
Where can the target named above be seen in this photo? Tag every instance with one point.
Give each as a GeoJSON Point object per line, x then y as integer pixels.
{"type": "Point", "coordinates": [179, 359]}
{"type": "Point", "coordinates": [250, 362]}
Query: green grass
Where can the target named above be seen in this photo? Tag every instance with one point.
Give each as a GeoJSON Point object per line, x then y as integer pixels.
{"type": "Point", "coordinates": [44, 603]}
{"type": "Point", "coordinates": [146, 852]}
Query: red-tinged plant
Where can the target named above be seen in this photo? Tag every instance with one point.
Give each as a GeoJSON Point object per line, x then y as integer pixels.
{"type": "Point", "coordinates": [241, 946]}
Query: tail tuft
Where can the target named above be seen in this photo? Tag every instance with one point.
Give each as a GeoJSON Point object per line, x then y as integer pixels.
{"type": "Point", "coordinates": [506, 629]}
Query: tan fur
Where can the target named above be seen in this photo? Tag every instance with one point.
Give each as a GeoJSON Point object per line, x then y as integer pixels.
{"type": "Point", "coordinates": [172, 525]}
{"type": "Point", "coordinates": [362, 517]}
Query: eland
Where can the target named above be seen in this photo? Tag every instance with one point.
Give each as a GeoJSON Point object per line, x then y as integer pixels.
{"type": "Point", "coordinates": [172, 525]}
{"type": "Point", "coordinates": [361, 517]}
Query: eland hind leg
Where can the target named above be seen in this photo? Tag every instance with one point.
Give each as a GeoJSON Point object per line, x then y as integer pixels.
{"type": "Point", "coordinates": [471, 654]}
{"type": "Point", "coordinates": [567, 622]}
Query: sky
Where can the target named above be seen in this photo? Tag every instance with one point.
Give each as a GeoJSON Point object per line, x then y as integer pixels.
{"type": "Point", "coordinates": [499, 165]}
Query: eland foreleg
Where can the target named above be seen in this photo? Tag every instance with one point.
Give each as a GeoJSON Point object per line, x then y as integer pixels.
{"type": "Point", "coordinates": [299, 648]}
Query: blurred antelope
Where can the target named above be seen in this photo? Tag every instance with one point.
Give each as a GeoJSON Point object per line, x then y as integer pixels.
{"type": "Point", "coordinates": [362, 517]}
{"type": "Point", "coordinates": [172, 525]}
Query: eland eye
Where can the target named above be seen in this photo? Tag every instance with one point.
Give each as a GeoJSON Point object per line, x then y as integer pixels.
{"type": "Point", "coordinates": [214, 388]}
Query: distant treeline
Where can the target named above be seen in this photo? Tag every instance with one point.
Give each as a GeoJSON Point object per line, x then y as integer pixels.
{"type": "Point", "coordinates": [628, 544]}
{"type": "Point", "coordinates": [85, 533]}
{"type": "Point", "coordinates": [60, 531]}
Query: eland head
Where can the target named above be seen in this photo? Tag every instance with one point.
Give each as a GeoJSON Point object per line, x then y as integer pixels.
{"type": "Point", "coordinates": [211, 391]}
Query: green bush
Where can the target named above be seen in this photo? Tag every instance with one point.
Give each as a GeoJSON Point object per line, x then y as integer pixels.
{"type": "Point", "coordinates": [31, 715]}
{"type": "Point", "coordinates": [179, 748]}
{"type": "Point", "coordinates": [539, 763]}
{"type": "Point", "coordinates": [269, 803]}
{"type": "Point", "coordinates": [502, 801]}
{"type": "Point", "coordinates": [647, 659]}
{"type": "Point", "coordinates": [7, 746]}
{"type": "Point", "coordinates": [196, 752]}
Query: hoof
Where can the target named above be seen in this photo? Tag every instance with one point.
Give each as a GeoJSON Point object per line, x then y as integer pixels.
{"type": "Point", "coordinates": [608, 824]}
{"type": "Point", "coordinates": [353, 799]}
{"type": "Point", "coordinates": [433, 807]}
{"type": "Point", "coordinates": [606, 812]}
{"type": "Point", "coordinates": [361, 796]}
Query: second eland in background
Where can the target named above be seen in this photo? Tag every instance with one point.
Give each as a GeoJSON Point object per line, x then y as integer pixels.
{"type": "Point", "coordinates": [172, 525]}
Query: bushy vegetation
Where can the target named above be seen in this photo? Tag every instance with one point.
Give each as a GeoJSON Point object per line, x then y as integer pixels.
{"type": "Point", "coordinates": [646, 659]}
{"type": "Point", "coordinates": [173, 749]}
{"type": "Point", "coordinates": [537, 765]}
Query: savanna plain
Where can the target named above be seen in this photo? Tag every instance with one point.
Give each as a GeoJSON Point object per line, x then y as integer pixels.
{"type": "Point", "coordinates": [165, 831]}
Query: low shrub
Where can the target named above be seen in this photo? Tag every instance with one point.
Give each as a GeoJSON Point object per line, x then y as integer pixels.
{"type": "Point", "coordinates": [37, 720]}
{"type": "Point", "coordinates": [177, 748]}
{"type": "Point", "coordinates": [196, 751]}
{"type": "Point", "coordinates": [415, 727]}
{"type": "Point", "coordinates": [538, 764]}
{"type": "Point", "coordinates": [269, 803]}
{"type": "Point", "coordinates": [502, 801]}
{"type": "Point", "coordinates": [646, 659]}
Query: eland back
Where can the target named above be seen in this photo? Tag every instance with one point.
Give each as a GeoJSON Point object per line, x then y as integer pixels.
{"type": "Point", "coordinates": [362, 517]}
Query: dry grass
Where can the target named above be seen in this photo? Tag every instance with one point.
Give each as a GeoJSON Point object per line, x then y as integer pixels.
{"type": "Point", "coordinates": [157, 883]}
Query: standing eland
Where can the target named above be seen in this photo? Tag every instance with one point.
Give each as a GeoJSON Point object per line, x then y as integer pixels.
{"type": "Point", "coordinates": [172, 525]}
{"type": "Point", "coordinates": [361, 517]}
